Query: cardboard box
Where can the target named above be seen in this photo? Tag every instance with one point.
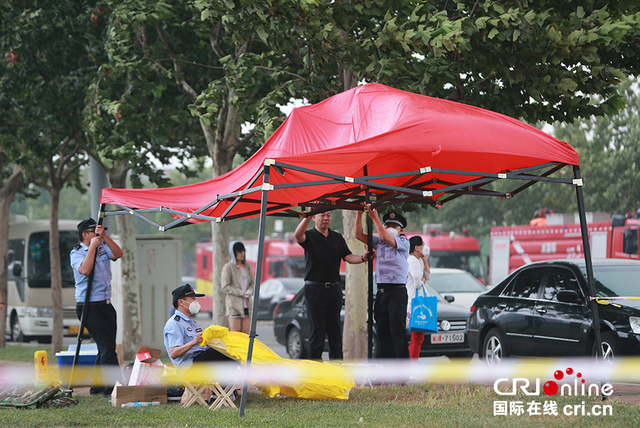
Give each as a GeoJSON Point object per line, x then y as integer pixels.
{"type": "Point", "coordinates": [143, 393]}
{"type": "Point", "coordinates": [147, 368]}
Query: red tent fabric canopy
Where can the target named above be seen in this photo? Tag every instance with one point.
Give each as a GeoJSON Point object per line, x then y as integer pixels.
{"type": "Point", "coordinates": [399, 145]}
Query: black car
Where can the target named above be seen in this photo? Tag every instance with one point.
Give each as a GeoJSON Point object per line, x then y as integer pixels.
{"type": "Point", "coordinates": [274, 290]}
{"type": "Point", "coordinates": [291, 328]}
{"type": "Point", "coordinates": [542, 309]}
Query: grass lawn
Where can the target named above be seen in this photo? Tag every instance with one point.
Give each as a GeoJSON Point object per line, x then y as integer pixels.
{"type": "Point", "coordinates": [430, 405]}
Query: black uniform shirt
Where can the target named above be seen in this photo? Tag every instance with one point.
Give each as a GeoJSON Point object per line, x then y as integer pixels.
{"type": "Point", "coordinates": [322, 255]}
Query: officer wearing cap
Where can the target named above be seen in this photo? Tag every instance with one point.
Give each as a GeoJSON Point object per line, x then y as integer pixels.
{"type": "Point", "coordinates": [390, 309]}
{"type": "Point", "coordinates": [183, 335]}
{"type": "Point", "coordinates": [95, 252]}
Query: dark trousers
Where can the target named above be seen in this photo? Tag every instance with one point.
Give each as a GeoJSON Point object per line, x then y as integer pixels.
{"type": "Point", "coordinates": [101, 324]}
{"type": "Point", "coordinates": [211, 354]}
{"type": "Point", "coordinates": [390, 312]}
{"type": "Point", "coordinates": [323, 309]}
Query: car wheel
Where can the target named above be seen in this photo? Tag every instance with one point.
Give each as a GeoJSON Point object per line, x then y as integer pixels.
{"type": "Point", "coordinates": [16, 331]}
{"type": "Point", "coordinates": [295, 344]}
{"type": "Point", "coordinates": [494, 348]}
{"type": "Point", "coordinates": [44, 339]}
{"type": "Point", "coordinates": [609, 346]}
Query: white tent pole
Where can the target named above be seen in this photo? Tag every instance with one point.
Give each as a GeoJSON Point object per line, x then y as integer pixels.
{"type": "Point", "coordinates": [258, 279]}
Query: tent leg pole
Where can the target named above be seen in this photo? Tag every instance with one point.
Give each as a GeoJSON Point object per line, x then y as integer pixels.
{"type": "Point", "coordinates": [370, 289]}
{"type": "Point", "coordinates": [256, 293]}
{"type": "Point", "coordinates": [369, 277]}
{"type": "Point", "coordinates": [588, 264]}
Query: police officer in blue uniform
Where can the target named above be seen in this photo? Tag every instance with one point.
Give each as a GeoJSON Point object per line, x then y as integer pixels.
{"type": "Point", "coordinates": [183, 335]}
{"type": "Point", "coordinates": [390, 309]}
{"type": "Point", "coordinates": [96, 252]}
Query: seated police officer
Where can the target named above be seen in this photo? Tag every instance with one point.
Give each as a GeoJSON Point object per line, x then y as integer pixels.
{"type": "Point", "coordinates": [182, 335]}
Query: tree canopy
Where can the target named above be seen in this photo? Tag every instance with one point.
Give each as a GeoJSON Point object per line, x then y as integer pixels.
{"type": "Point", "coordinates": [134, 80]}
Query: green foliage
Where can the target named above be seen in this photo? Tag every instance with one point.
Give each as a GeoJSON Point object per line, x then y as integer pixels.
{"type": "Point", "coordinates": [540, 61]}
{"type": "Point", "coordinates": [53, 54]}
{"type": "Point", "coordinates": [135, 114]}
{"type": "Point", "coordinates": [609, 151]}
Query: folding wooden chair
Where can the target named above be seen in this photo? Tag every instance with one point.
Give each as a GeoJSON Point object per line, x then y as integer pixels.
{"type": "Point", "coordinates": [196, 392]}
{"type": "Point", "coordinates": [223, 396]}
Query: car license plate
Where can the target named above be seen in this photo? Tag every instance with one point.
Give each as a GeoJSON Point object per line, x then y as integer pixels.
{"type": "Point", "coordinates": [447, 338]}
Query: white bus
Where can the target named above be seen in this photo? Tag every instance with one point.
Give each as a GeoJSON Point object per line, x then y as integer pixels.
{"type": "Point", "coordinates": [29, 310]}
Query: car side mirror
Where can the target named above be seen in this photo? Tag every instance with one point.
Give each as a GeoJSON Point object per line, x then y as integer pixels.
{"type": "Point", "coordinates": [567, 296]}
{"type": "Point", "coordinates": [449, 298]}
{"type": "Point", "coordinates": [16, 269]}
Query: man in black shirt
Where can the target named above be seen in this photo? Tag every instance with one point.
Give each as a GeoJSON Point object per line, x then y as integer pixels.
{"type": "Point", "coordinates": [323, 250]}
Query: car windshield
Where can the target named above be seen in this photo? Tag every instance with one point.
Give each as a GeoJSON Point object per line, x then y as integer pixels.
{"type": "Point", "coordinates": [614, 281]}
{"type": "Point", "coordinates": [295, 267]}
{"type": "Point", "coordinates": [470, 262]}
{"type": "Point", "coordinates": [458, 282]}
{"type": "Point", "coordinates": [292, 284]}
{"type": "Point", "coordinates": [39, 263]}
{"type": "Point", "coordinates": [433, 292]}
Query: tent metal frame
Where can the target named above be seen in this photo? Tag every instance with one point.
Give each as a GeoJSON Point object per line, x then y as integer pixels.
{"type": "Point", "coordinates": [417, 189]}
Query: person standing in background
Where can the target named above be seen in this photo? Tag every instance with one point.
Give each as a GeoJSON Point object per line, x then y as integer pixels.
{"type": "Point", "coordinates": [237, 282]}
{"type": "Point", "coordinates": [419, 272]}
{"type": "Point", "coordinates": [95, 253]}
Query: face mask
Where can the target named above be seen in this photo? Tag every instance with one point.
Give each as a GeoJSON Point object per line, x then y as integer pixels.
{"type": "Point", "coordinates": [425, 250]}
{"type": "Point", "coordinates": [194, 307]}
{"type": "Point", "coordinates": [393, 231]}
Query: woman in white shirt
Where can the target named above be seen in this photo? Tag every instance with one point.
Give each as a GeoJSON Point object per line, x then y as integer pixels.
{"type": "Point", "coordinates": [419, 272]}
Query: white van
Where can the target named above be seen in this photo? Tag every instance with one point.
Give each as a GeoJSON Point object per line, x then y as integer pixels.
{"type": "Point", "coordinates": [29, 307]}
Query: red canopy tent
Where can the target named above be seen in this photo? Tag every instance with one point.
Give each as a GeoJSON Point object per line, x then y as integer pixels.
{"type": "Point", "coordinates": [371, 144]}
{"type": "Point", "coordinates": [399, 145]}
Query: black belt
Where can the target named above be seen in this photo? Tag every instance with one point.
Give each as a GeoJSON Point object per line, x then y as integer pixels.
{"type": "Point", "coordinates": [389, 287]}
{"type": "Point", "coordinates": [99, 302]}
{"type": "Point", "coordinates": [322, 284]}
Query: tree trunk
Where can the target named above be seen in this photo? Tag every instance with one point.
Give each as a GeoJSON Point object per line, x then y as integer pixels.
{"type": "Point", "coordinates": [219, 256]}
{"type": "Point", "coordinates": [8, 191]}
{"type": "Point", "coordinates": [222, 146]}
{"type": "Point", "coordinates": [131, 292]}
{"type": "Point", "coordinates": [354, 337]}
{"type": "Point", "coordinates": [56, 270]}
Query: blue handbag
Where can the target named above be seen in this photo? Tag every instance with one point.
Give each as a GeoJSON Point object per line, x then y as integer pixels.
{"type": "Point", "coordinates": [424, 313]}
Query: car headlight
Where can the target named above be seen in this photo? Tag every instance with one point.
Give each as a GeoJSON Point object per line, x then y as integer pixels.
{"type": "Point", "coordinates": [38, 311]}
{"type": "Point", "coordinates": [635, 324]}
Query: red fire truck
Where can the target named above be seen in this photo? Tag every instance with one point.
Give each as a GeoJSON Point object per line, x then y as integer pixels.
{"type": "Point", "coordinates": [285, 258]}
{"type": "Point", "coordinates": [452, 250]}
{"type": "Point", "coordinates": [280, 258]}
{"type": "Point", "coordinates": [513, 246]}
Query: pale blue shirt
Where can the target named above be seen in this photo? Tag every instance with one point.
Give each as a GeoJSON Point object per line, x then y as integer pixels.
{"type": "Point", "coordinates": [391, 263]}
{"type": "Point", "coordinates": [178, 330]}
{"type": "Point", "coordinates": [101, 285]}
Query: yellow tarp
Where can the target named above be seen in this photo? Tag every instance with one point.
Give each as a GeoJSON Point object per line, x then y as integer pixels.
{"type": "Point", "coordinates": [309, 379]}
